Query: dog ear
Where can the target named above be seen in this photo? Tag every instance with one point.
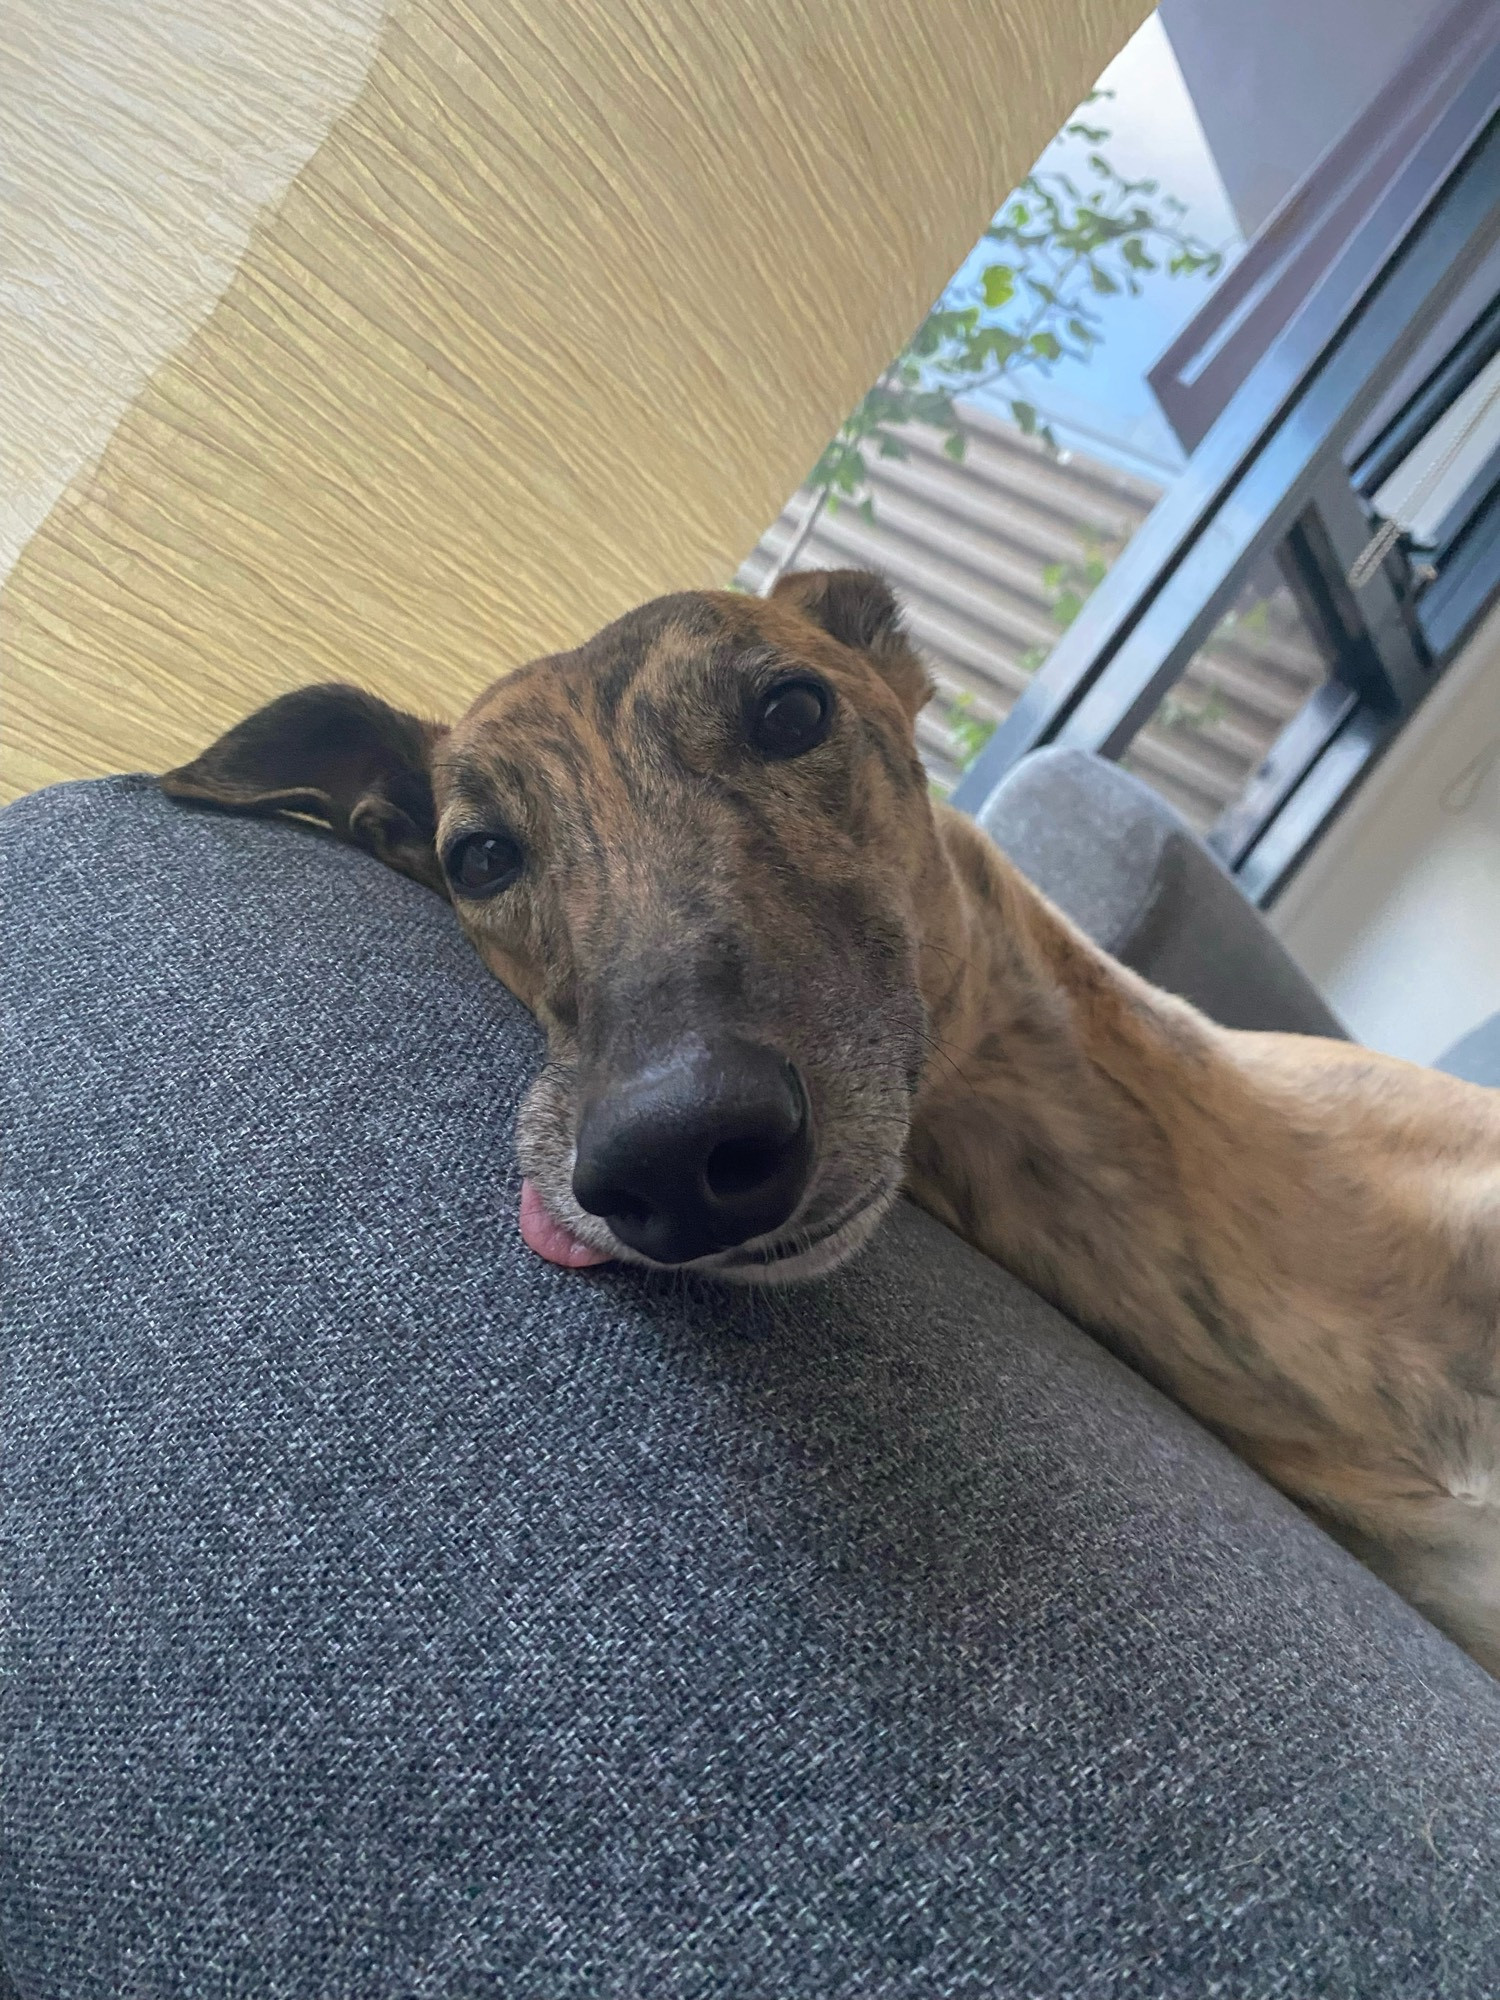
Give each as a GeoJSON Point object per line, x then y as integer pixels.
{"type": "Point", "coordinates": [859, 609]}
{"type": "Point", "coordinates": [334, 754]}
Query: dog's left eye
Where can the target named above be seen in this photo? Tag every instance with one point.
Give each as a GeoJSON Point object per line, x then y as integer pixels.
{"type": "Point", "coordinates": [791, 717]}
{"type": "Point", "coordinates": [482, 864]}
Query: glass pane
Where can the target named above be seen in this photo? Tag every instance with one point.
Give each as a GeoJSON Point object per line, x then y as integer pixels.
{"type": "Point", "coordinates": [1213, 730]}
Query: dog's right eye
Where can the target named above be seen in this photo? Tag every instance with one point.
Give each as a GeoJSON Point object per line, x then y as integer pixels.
{"type": "Point", "coordinates": [791, 717]}
{"type": "Point", "coordinates": [482, 864]}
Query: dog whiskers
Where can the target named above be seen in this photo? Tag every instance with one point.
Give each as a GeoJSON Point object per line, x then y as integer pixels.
{"type": "Point", "coordinates": [939, 1049]}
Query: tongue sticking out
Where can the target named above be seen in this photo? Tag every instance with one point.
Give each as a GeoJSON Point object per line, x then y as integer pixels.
{"type": "Point", "coordinates": [541, 1232]}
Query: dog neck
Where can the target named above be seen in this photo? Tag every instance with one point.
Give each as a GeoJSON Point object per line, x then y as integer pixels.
{"type": "Point", "coordinates": [1063, 1108]}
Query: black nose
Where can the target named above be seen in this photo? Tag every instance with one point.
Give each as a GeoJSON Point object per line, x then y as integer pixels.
{"type": "Point", "coordinates": [702, 1150]}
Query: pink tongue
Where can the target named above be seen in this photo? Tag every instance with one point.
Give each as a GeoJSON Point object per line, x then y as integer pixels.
{"type": "Point", "coordinates": [541, 1232]}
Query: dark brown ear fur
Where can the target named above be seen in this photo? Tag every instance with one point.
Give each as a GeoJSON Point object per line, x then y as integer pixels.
{"type": "Point", "coordinates": [859, 609]}
{"type": "Point", "coordinates": [335, 754]}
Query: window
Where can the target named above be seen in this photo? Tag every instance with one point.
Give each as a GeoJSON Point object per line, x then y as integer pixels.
{"type": "Point", "coordinates": [1221, 510]}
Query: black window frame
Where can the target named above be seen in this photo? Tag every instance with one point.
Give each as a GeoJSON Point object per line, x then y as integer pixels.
{"type": "Point", "coordinates": [1285, 467]}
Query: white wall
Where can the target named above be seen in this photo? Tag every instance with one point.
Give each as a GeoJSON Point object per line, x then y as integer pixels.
{"type": "Point", "coordinates": [1397, 914]}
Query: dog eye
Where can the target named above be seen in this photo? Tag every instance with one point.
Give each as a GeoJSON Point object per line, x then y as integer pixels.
{"type": "Point", "coordinates": [482, 864]}
{"type": "Point", "coordinates": [791, 717]}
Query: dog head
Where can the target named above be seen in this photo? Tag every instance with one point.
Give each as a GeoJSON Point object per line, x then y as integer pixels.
{"type": "Point", "coordinates": [697, 848]}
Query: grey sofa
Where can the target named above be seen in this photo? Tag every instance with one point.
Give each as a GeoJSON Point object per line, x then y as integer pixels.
{"type": "Point", "coordinates": [393, 1617]}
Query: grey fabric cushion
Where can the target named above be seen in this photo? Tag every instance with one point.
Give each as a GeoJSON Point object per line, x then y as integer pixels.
{"type": "Point", "coordinates": [394, 1616]}
{"type": "Point", "coordinates": [1476, 1058]}
{"type": "Point", "coordinates": [1128, 871]}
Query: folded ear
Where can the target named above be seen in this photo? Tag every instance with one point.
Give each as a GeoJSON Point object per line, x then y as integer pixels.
{"type": "Point", "coordinates": [859, 609]}
{"type": "Point", "coordinates": [334, 754]}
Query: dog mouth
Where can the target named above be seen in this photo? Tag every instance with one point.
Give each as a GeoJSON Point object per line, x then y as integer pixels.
{"type": "Point", "coordinates": [857, 1169]}
{"type": "Point", "coordinates": [795, 1255]}
{"type": "Point", "coordinates": [804, 1253]}
{"type": "Point", "coordinates": [553, 1240]}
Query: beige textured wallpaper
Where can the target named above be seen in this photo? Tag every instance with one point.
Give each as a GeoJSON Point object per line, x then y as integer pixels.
{"type": "Point", "coordinates": [554, 318]}
{"type": "Point", "coordinates": [138, 145]}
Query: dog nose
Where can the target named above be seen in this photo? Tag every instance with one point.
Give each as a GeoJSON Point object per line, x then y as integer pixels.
{"type": "Point", "coordinates": [698, 1152]}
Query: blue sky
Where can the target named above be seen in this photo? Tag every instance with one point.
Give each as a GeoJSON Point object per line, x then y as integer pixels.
{"type": "Point", "coordinates": [1104, 406]}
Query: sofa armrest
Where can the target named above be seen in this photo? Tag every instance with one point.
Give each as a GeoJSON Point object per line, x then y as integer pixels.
{"type": "Point", "coordinates": [1129, 872]}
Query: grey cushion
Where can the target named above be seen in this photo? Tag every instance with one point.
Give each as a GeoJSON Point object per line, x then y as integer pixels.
{"type": "Point", "coordinates": [394, 1616]}
{"type": "Point", "coordinates": [1476, 1058]}
{"type": "Point", "coordinates": [1128, 871]}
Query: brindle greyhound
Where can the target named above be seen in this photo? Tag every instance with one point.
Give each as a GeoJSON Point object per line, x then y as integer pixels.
{"type": "Point", "coordinates": [778, 983]}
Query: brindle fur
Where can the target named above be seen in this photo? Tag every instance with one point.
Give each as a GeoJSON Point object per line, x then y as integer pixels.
{"type": "Point", "coordinates": [1297, 1239]}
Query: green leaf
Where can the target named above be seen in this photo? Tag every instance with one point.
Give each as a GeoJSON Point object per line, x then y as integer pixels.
{"type": "Point", "coordinates": [954, 445]}
{"type": "Point", "coordinates": [1046, 345]}
{"type": "Point", "coordinates": [851, 469]}
{"type": "Point", "coordinates": [998, 283]}
{"type": "Point", "coordinates": [1101, 281]}
{"type": "Point", "coordinates": [1134, 253]}
{"type": "Point", "coordinates": [867, 511]}
{"type": "Point", "coordinates": [969, 732]}
{"type": "Point", "coordinates": [1066, 607]}
{"type": "Point", "coordinates": [991, 346]}
{"type": "Point", "coordinates": [1025, 416]}
{"type": "Point", "coordinates": [935, 408]}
